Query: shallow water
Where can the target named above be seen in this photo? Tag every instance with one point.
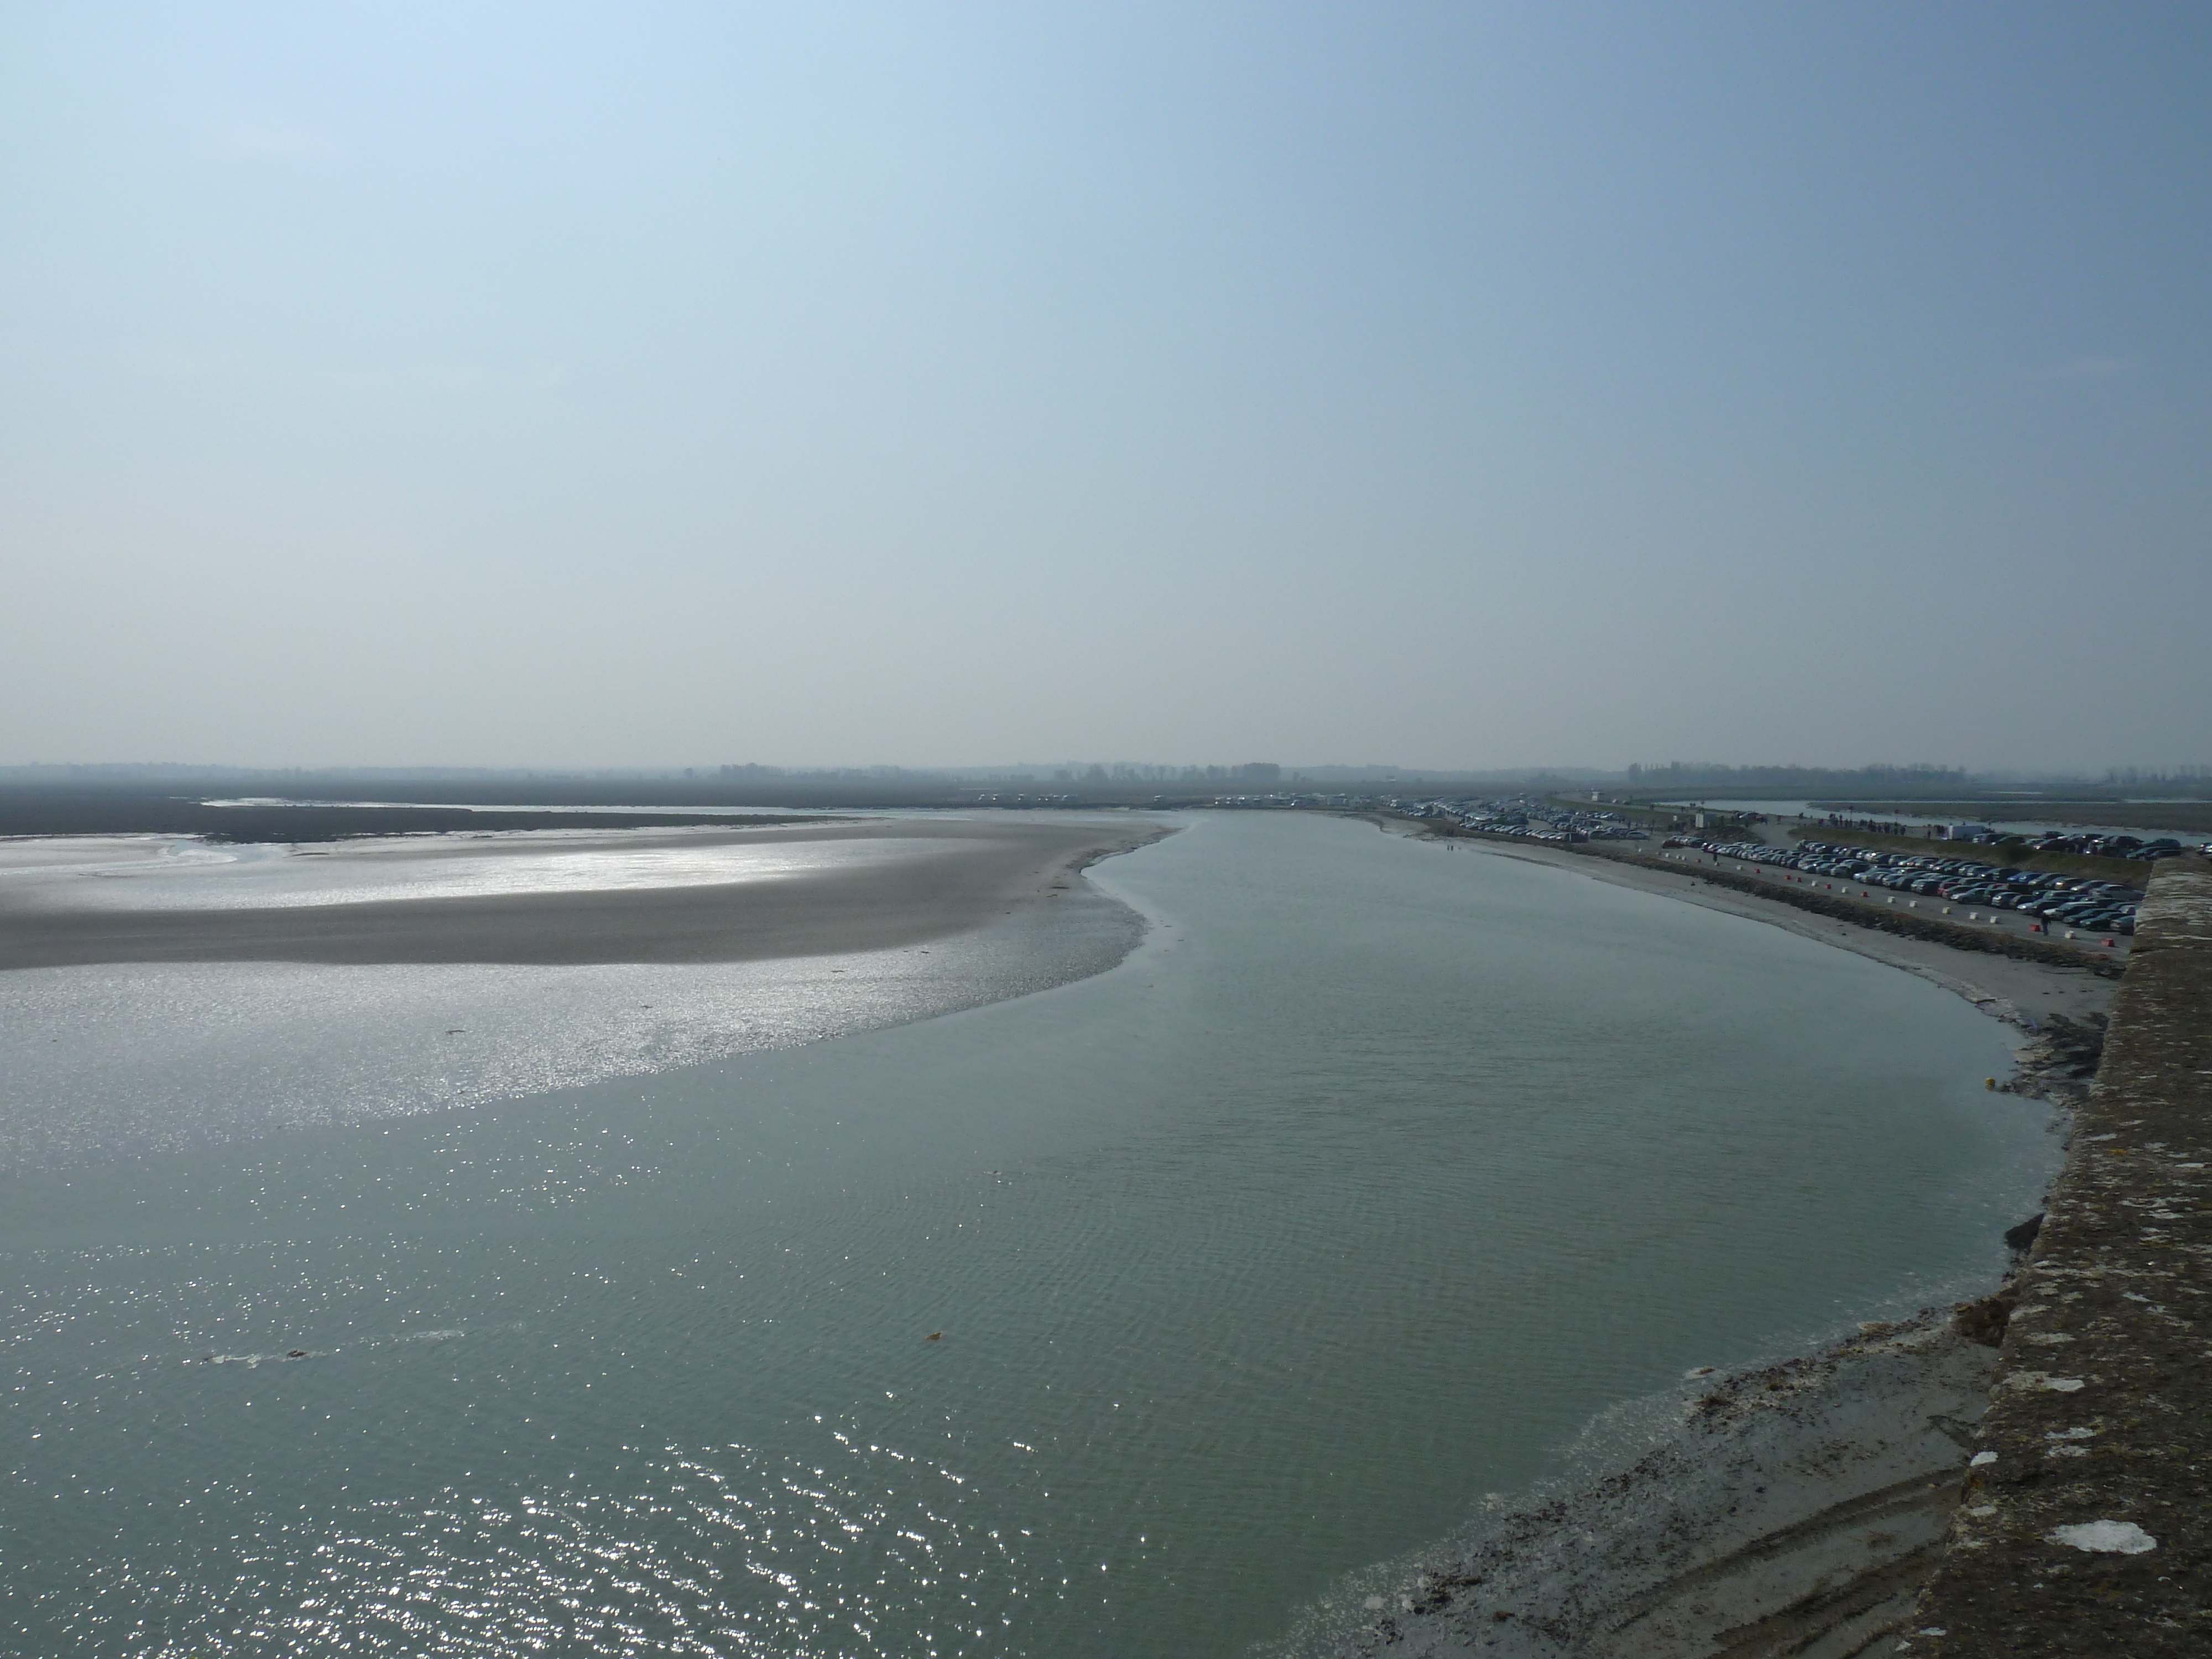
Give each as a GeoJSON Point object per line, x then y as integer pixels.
{"type": "Point", "coordinates": [1372, 1175]}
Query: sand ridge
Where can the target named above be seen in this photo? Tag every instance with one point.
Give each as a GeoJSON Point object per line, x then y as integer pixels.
{"type": "Point", "coordinates": [946, 875]}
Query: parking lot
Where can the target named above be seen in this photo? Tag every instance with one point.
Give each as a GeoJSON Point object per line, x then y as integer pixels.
{"type": "Point", "coordinates": [2081, 909]}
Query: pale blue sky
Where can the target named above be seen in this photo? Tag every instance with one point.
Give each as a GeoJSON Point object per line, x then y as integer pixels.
{"type": "Point", "coordinates": [1459, 385]}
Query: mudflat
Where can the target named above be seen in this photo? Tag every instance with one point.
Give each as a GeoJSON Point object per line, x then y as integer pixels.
{"type": "Point", "coordinates": [1794, 1508]}
{"type": "Point", "coordinates": [615, 896]}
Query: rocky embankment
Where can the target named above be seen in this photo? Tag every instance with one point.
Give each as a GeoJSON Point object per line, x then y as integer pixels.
{"type": "Point", "coordinates": [2083, 1528]}
{"type": "Point", "coordinates": [2061, 1063]}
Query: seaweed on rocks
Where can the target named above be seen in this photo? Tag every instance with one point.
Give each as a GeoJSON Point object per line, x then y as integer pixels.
{"type": "Point", "coordinates": [2061, 1063]}
{"type": "Point", "coordinates": [1984, 1322]}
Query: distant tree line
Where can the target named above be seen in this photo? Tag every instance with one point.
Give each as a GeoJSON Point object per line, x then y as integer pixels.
{"type": "Point", "coordinates": [1920, 780]}
{"type": "Point", "coordinates": [2175, 781]}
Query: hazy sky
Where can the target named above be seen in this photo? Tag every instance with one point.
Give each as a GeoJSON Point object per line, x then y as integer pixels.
{"type": "Point", "coordinates": [1456, 385]}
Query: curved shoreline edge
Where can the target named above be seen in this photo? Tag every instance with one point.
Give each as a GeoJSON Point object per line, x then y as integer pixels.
{"type": "Point", "coordinates": [2018, 989]}
{"type": "Point", "coordinates": [1812, 1506]}
{"type": "Point", "coordinates": [454, 1031]}
{"type": "Point", "coordinates": [948, 876]}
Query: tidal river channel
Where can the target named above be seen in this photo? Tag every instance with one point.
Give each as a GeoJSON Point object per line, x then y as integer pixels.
{"type": "Point", "coordinates": [1125, 1318]}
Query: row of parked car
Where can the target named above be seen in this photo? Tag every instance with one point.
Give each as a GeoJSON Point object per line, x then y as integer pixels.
{"type": "Point", "coordinates": [2113, 846]}
{"type": "Point", "coordinates": [2104, 907]}
{"type": "Point", "coordinates": [1525, 818]}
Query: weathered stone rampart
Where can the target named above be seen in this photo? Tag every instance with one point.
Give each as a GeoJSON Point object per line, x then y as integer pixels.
{"type": "Point", "coordinates": [2086, 1524]}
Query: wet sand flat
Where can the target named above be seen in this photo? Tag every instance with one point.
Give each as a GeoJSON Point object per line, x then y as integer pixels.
{"type": "Point", "coordinates": [1795, 1509]}
{"type": "Point", "coordinates": [825, 890]}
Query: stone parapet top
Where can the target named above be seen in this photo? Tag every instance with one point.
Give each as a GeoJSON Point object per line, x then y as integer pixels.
{"type": "Point", "coordinates": [2086, 1523]}
{"type": "Point", "coordinates": [2178, 906]}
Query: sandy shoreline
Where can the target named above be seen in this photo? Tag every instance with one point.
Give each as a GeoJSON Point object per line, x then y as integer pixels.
{"type": "Point", "coordinates": [1791, 1508]}
{"type": "Point", "coordinates": [2014, 991]}
{"type": "Point", "coordinates": [818, 890]}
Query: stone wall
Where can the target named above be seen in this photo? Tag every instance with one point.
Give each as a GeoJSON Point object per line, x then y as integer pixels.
{"type": "Point", "coordinates": [2086, 1524]}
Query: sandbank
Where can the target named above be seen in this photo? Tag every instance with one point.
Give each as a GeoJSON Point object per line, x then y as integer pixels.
{"type": "Point", "coordinates": [830, 892]}
{"type": "Point", "coordinates": [48, 852]}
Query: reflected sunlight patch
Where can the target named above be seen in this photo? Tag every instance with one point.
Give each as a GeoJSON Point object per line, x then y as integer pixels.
{"type": "Point", "coordinates": [265, 878]}
{"type": "Point", "coordinates": [869, 1551]}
